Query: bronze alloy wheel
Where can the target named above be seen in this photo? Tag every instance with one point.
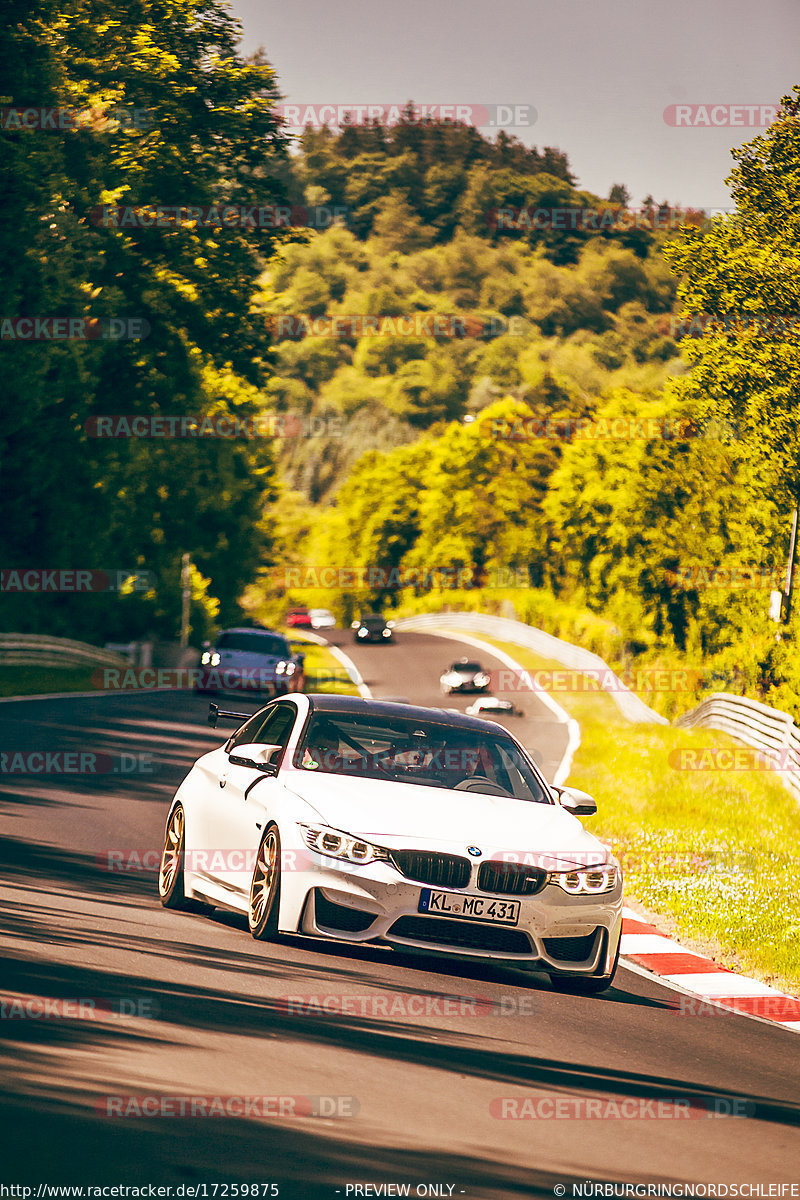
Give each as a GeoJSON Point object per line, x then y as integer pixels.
{"type": "Point", "coordinates": [265, 890]}
{"type": "Point", "coordinates": [170, 873]}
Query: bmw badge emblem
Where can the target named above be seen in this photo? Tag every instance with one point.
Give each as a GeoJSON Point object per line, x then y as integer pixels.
{"type": "Point", "coordinates": [474, 851]}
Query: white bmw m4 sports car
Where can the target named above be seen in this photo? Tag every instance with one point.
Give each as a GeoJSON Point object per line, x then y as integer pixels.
{"type": "Point", "coordinates": [421, 828]}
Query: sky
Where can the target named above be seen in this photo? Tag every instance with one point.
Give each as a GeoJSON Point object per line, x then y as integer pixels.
{"type": "Point", "coordinates": [595, 76]}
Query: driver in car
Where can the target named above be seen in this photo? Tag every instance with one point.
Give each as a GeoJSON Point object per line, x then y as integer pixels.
{"type": "Point", "coordinates": [475, 763]}
{"type": "Point", "coordinates": [322, 749]}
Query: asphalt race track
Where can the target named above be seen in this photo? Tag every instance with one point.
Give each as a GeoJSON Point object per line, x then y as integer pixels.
{"type": "Point", "coordinates": [416, 1083]}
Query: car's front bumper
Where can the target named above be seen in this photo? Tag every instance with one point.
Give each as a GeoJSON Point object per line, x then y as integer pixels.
{"type": "Point", "coordinates": [556, 931]}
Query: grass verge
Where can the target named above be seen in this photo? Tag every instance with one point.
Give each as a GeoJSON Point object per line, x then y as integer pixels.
{"type": "Point", "coordinates": [713, 852]}
{"type": "Point", "coordinates": [37, 681]}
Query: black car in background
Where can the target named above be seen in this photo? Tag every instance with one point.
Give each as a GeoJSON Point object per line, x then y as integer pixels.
{"type": "Point", "coordinates": [372, 627]}
{"type": "Point", "coordinates": [465, 675]}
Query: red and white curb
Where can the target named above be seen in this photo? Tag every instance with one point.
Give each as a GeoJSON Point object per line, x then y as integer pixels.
{"type": "Point", "coordinates": [647, 947]}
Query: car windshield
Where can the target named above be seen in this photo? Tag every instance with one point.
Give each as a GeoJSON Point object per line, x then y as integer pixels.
{"type": "Point", "coordinates": [407, 750]}
{"type": "Point", "coordinates": [371, 621]}
{"type": "Point", "coordinates": [255, 643]}
{"type": "Point", "coordinates": [466, 668]}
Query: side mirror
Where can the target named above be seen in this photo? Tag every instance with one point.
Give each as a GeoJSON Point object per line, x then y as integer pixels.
{"type": "Point", "coordinates": [259, 757]}
{"type": "Point", "coordinates": [355, 624]}
{"type": "Point", "coordinates": [579, 803]}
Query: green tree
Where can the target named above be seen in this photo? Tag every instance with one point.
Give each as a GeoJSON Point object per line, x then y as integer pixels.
{"type": "Point", "coordinates": [210, 136]}
{"type": "Point", "coordinates": [743, 271]}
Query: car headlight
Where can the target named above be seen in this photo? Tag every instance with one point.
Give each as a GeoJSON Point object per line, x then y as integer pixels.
{"type": "Point", "coordinates": [482, 678]}
{"type": "Point", "coordinates": [591, 882]}
{"type": "Point", "coordinates": [210, 658]}
{"type": "Point", "coordinates": [285, 668]}
{"type": "Point", "coordinates": [335, 844]}
{"type": "Point", "coordinates": [362, 631]}
{"type": "Point", "coordinates": [387, 633]}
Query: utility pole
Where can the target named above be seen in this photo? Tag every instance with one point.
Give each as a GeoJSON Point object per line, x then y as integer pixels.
{"type": "Point", "coordinates": [186, 596]}
{"type": "Point", "coordinates": [789, 586]}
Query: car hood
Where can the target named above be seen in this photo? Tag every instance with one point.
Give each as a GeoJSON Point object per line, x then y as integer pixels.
{"type": "Point", "coordinates": [412, 816]}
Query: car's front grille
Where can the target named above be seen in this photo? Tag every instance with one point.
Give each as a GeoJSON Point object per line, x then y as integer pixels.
{"type": "Point", "coordinates": [510, 878]}
{"type": "Point", "coordinates": [463, 935]}
{"type": "Point", "coordinates": [337, 916]}
{"type": "Point", "coordinates": [571, 949]}
{"type": "Point", "coordinates": [440, 870]}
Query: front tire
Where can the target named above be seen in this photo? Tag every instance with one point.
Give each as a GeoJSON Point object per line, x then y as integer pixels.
{"type": "Point", "coordinates": [586, 985]}
{"type": "Point", "coordinates": [265, 889]}
{"type": "Point", "coordinates": [170, 873]}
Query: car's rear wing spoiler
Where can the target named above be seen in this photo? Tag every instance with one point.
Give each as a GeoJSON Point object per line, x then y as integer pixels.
{"type": "Point", "coordinates": [215, 713]}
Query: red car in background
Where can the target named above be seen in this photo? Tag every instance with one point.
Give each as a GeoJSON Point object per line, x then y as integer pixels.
{"type": "Point", "coordinates": [299, 618]}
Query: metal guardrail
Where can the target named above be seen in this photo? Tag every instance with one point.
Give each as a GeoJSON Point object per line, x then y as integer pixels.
{"type": "Point", "coordinates": [28, 649]}
{"type": "Point", "coordinates": [548, 646]}
{"type": "Point", "coordinates": [756, 725]}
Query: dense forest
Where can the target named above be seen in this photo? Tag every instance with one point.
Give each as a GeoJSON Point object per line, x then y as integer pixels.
{"type": "Point", "coordinates": [472, 368]}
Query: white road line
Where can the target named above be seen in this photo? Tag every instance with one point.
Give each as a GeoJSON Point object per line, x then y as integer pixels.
{"type": "Point", "coordinates": [651, 943]}
{"type": "Point", "coordinates": [344, 659]}
{"type": "Point", "coordinates": [723, 983]}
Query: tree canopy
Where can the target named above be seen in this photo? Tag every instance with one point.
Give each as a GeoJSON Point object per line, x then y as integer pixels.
{"type": "Point", "coordinates": [167, 113]}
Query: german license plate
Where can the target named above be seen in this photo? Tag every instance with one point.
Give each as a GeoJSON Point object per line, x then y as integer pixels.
{"type": "Point", "coordinates": [469, 908]}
